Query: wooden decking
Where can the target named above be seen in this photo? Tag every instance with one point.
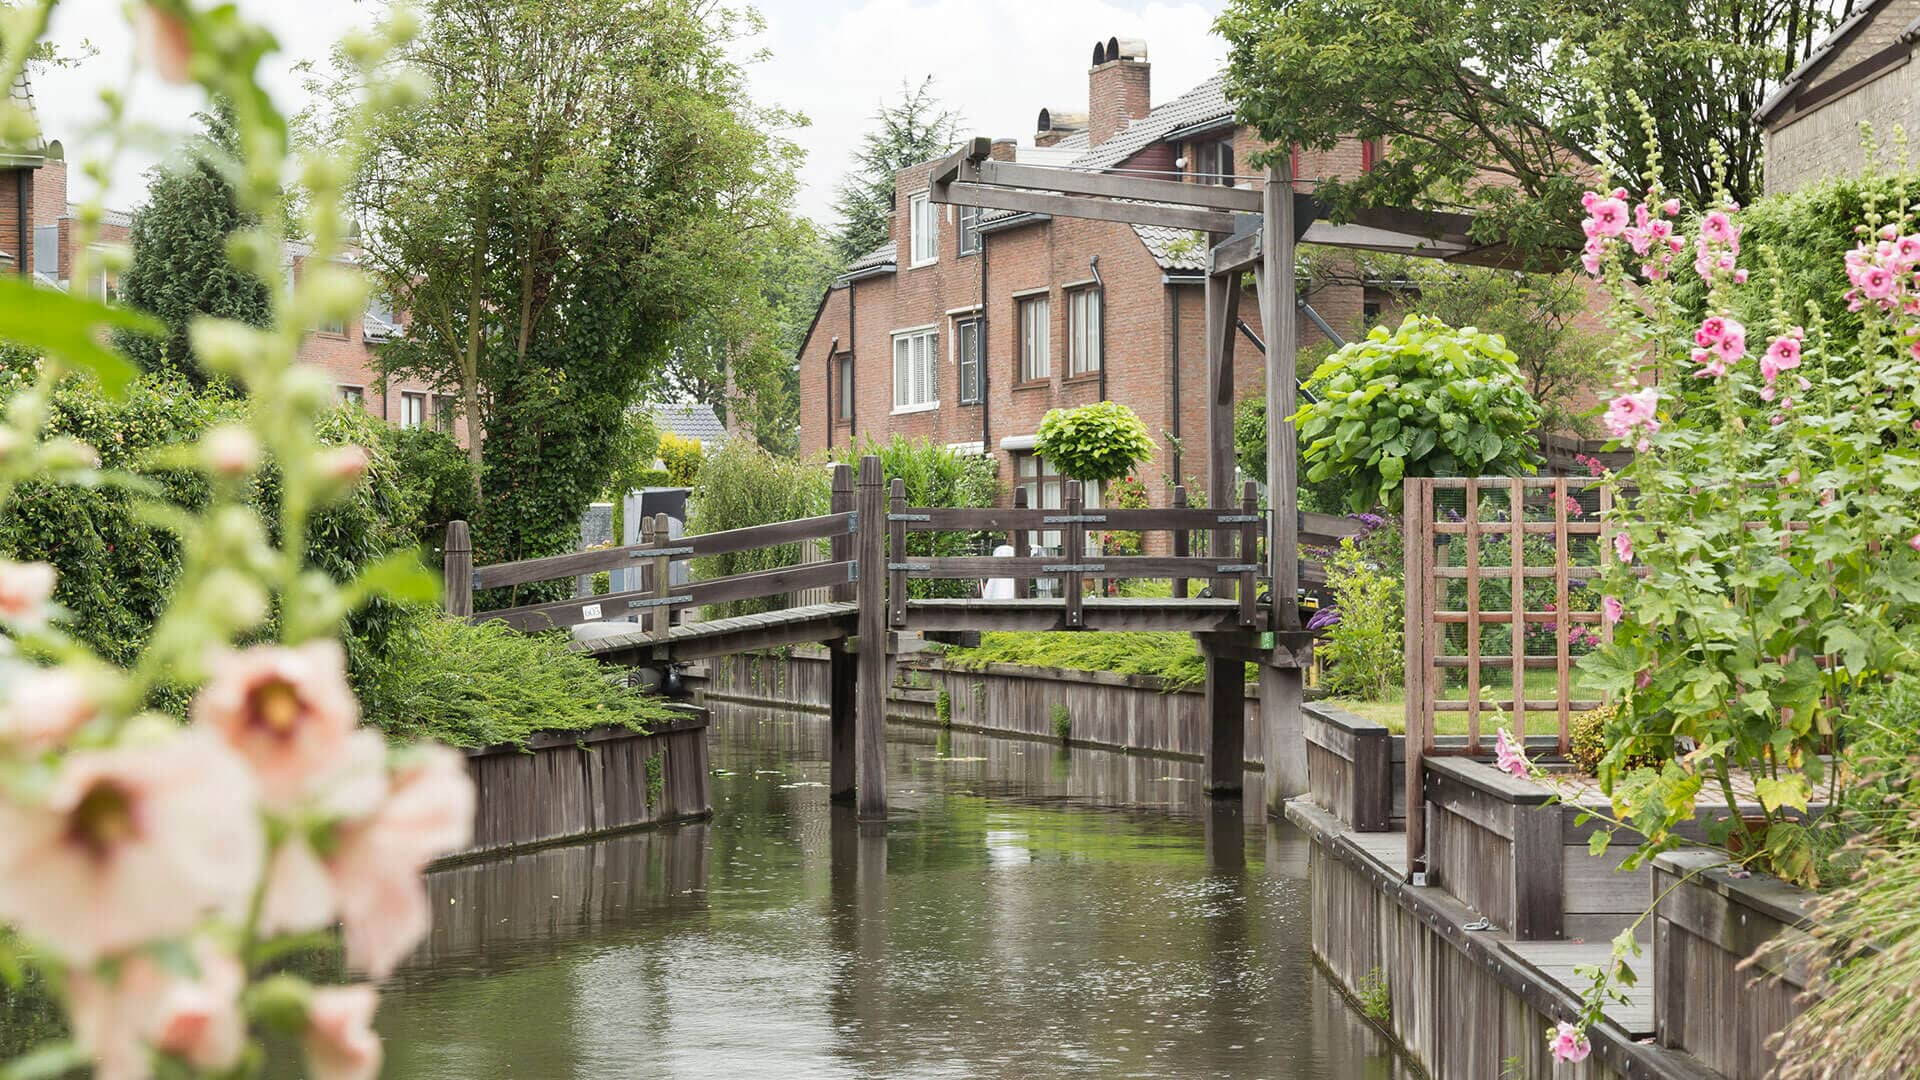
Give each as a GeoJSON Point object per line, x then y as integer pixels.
{"type": "Point", "coordinates": [1556, 961]}
{"type": "Point", "coordinates": [717, 637]}
{"type": "Point", "coordinates": [1097, 613]}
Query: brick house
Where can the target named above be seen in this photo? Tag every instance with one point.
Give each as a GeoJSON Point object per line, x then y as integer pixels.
{"type": "Point", "coordinates": [968, 325]}
{"type": "Point", "coordinates": [45, 235]}
{"type": "Point", "coordinates": [1860, 75]}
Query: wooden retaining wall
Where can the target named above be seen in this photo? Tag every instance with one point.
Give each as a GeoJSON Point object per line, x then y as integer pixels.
{"type": "Point", "coordinates": [565, 785]}
{"type": "Point", "coordinates": [1705, 926]}
{"type": "Point", "coordinates": [1350, 768]}
{"type": "Point", "coordinates": [1494, 842]}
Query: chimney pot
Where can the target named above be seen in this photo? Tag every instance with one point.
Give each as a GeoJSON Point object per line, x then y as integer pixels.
{"type": "Point", "coordinates": [1119, 87]}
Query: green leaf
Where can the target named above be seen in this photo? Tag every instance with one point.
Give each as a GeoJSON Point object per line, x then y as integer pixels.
{"type": "Point", "coordinates": [1789, 790]}
{"type": "Point", "coordinates": [70, 329]}
{"type": "Point", "coordinates": [1597, 843]}
{"type": "Point", "coordinates": [400, 577]}
{"type": "Point", "coordinates": [47, 1062]}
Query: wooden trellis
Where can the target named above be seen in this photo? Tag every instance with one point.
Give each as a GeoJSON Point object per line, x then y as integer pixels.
{"type": "Point", "coordinates": [1453, 552]}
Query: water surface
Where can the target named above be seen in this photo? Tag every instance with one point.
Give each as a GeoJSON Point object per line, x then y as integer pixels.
{"type": "Point", "coordinates": [1025, 912]}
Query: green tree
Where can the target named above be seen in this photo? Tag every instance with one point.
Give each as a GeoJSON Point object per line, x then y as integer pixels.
{"type": "Point", "coordinates": [556, 217]}
{"type": "Point", "coordinates": [907, 132]}
{"type": "Point", "coordinates": [1509, 106]}
{"type": "Point", "coordinates": [180, 267]}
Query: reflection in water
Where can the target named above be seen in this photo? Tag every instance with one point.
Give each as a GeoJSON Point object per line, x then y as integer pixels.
{"type": "Point", "coordinates": [1027, 911]}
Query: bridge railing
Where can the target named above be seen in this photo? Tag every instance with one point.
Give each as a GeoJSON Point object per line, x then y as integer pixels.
{"type": "Point", "coordinates": [658, 597]}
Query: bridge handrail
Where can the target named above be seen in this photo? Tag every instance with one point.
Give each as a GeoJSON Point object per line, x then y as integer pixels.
{"type": "Point", "coordinates": [559, 614]}
{"type": "Point", "coordinates": [549, 567]}
{"type": "Point", "coordinates": [1316, 530]}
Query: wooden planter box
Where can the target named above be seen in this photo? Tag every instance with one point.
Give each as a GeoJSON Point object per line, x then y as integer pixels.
{"type": "Point", "coordinates": [1705, 926]}
{"type": "Point", "coordinates": [566, 785]}
{"type": "Point", "coordinates": [1350, 768]}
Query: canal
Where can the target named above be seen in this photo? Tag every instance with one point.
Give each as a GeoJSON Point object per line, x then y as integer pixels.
{"type": "Point", "coordinates": [1027, 911]}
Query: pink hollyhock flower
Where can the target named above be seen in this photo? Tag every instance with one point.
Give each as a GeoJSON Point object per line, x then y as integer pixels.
{"type": "Point", "coordinates": [1509, 756]}
{"type": "Point", "coordinates": [150, 1007]}
{"type": "Point", "coordinates": [1630, 411]}
{"type": "Point", "coordinates": [1783, 354]}
{"type": "Point", "coordinates": [1609, 216]}
{"type": "Point", "coordinates": [1612, 610]}
{"type": "Point", "coordinates": [340, 1041]}
{"type": "Point", "coordinates": [1766, 393]}
{"type": "Point", "coordinates": [344, 464]}
{"type": "Point", "coordinates": [45, 708]}
{"type": "Point", "coordinates": [165, 42]}
{"type": "Point", "coordinates": [129, 845]}
{"type": "Point", "coordinates": [300, 893]}
{"type": "Point", "coordinates": [1676, 244]}
{"type": "Point", "coordinates": [1793, 476]}
{"type": "Point", "coordinates": [1740, 277]}
{"type": "Point", "coordinates": [376, 862]}
{"type": "Point", "coordinates": [1877, 282]}
{"type": "Point", "coordinates": [1587, 199]}
{"type": "Point", "coordinates": [25, 590]}
{"type": "Point", "coordinates": [1671, 208]}
{"type": "Point", "coordinates": [1659, 230]}
{"type": "Point", "coordinates": [1907, 249]}
{"type": "Point", "coordinates": [1623, 546]}
{"type": "Point", "coordinates": [1914, 542]}
{"type": "Point", "coordinates": [1717, 227]}
{"type": "Point", "coordinates": [1712, 329]}
{"type": "Point", "coordinates": [1713, 369]}
{"type": "Point", "coordinates": [1591, 263]}
{"type": "Point", "coordinates": [1732, 344]}
{"type": "Point", "coordinates": [1569, 1044]}
{"type": "Point", "coordinates": [288, 711]}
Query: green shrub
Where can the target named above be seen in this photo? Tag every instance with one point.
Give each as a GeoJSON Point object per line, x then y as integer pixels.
{"type": "Point", "coordinates": [934, 476]}
{"type": "Point", "coordinates": [1170, 657]}
{"type": "Point", "coordinates": [743, 485]}
{"type": "Point", "coordinates": [486, 685]}
{"type": "Point", "coordinates": [943, 708]}
{"type": "Point", "coordinates": [1126, 493]}
{"type": "Point", "coordinates": [1423, 400]}
{"type": "Point", "coordinates": [438, 473]}
{"type": "Point", "coordinates": [1062, 722]}
{"type": "Point", "coordinates": [1098, 442]}
{"type": "Point", "coordinates": [682, 458]}
{"type": "Point", "coordinates": [1328, 496]}
{"type": "Point", "coordinates": [1363, 650]}
{"type": "Point", "coordinates": [1588, 741]}
{"type": "Point", "coordinates": [1376, 999]}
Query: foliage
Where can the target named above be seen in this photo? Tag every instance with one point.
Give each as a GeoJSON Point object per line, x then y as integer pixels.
{"type": "Point", "coordinates": [934, 476]}
{"type": "Point", "coordinates": [558, 218]}
{"type": "Point", "coordinates": [1061, 721]}
{"type": "Point", "coordinates": [1126, 493]}
{"type": "Point", "coordinates": [907, 132]}
{"type": "Point", "coordinates": [431, 465]}
{"type": "Point", "coordinates": [1590, 736]}
{"type": "Point", "coordinates": [1423, 400]}
{"type": "Point", "coordinates": [1774, 525]}
{"type": "Point", "coordinates": [1097, 443]}
{"type": "Point", "coordinates": [1170, 657]}
{"type": "Point", "coordinates": [179, 267]}
{"type": "Point", "coordinates": [943, 708]}
{"type": "Point", "coordinates": [1503, 106]}
{"type": "Point", "coordinates": [1331, 495]}
{"type": "Point", "coordinates": [743, 485]}
{"type": "Point", "coordinates": [681, 457]}
{"type": "Point", "coordinates": [1363, 649]}
{"type": "Point", "coordinates": [1375, 997]}
{"type": "Point", "coordinates": [487, 685]}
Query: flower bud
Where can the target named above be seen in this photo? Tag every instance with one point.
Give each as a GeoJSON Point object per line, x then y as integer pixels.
{"type": "Point", "coordinates": [228, 346]}
{"type": "Point", "coordinates": [230, 450]}
{"type": "Point", "coordinates": [344, 465]}
{"type": "Point", "coordinates": [235, 600]}
{"type": "Point", "coordinates": [165, 42]}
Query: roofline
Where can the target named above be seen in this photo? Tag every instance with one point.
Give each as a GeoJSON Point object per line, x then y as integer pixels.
{"type": "Point", "coordinates": [1200, 127]}
{"type": "Point", "coordinates": [1816, 61]}
{"type": "Point", "coordinates": [1025, 217]}
{"type": "Point", "coordinates": [876, 270]}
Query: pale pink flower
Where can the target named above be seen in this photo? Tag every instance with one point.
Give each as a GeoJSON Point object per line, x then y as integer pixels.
{"type": "Point", "coordinates": [1630, 411]}
{"type": "Point", "coordinates": [1612, 610]}
{"type": "Point", "coordinates": [1732, 344]}
{"type": "Point", "coordinates": [1509, 757]}
{"type": "Point", "coordinates": [1793, 476]}
{"type": "Point", "coordinates": [1740, 276]}
{"type": "Point", "coordinates": [344, 464]}
{"type": "Point", "coordinates": [166, 43]}
{"type": "Point", "coordinates": [1712, 329]}
{"type": "Point", "coordinates": [130, 844]}
{"type": "Point", "coordinates": [1877, 282]}
{"type": "Point", "coordinates": [1717, 227]}
{"type": "Point", "coordinates": [1712, 369]}
{"type": "Point", "coordinates": [376, 862]}
{"type": "Point", "coordinates": [45, 707]}
{"type": "Point", "coordinates": [1569, 1044]}
{"type": "Point", "coordinates": [1766, 393]}
{"type": "Point", "coordinates": [340, 1041]}
{"type": "Point", "coordinates": [1907, 249]}
{"type": "Point", "coordinates": [1590, 262]}
{"type": "Point", "coordinates": [1623, 546]}
{"type": "Point", "coordinates": [1783, 354]}
{"type": "Point", "coordinates": [1914, 542]}
{"type": "Point", "coordinates": [25, 590]}
{"type": "Point", "coordinates": [1609, 216]}
{"type": "Point", "coordinates": [150, 1007]}
{"type": "Point", "coordinates": [300, 892]}
{"type": "Point", "coordinates": [1671, 208]}
{"type": "Point", "coordinates": [288, 711]}
{"type": "Point", "coordinates": [231, 450]}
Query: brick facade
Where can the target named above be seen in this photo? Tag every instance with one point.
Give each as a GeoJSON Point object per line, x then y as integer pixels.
{"type": "Point", "coordinates": [1862, 77]}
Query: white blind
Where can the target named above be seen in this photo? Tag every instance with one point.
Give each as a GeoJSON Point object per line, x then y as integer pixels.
{"type": "Point", "coordinates": [915, 379]}
{"type": "Point", "coordinates": [924, 222]}
{"type": "Point", "coordinates": [1034, 361]}
{"type": "Point", "coordinates": [1083, 331]}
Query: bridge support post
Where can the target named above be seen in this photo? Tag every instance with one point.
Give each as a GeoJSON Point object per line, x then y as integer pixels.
{"type": "Point", "coordinates": [457, 570]}
{"type": "Point", "coordinates": [870, 715]}
{"type": "Point", "coordinates": [842, 665]}
{"type": "Point", "coordinates": [1226, 748]}
{"type": "Point", "coordinates": [1283, 737]}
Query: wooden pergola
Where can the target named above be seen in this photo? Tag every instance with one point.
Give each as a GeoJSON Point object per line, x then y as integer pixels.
{"type": "Point", "coordinates": [1247, 230]}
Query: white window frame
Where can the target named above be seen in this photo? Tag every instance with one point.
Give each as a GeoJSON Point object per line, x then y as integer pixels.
{"type": "Point", "coordinates": [960, 361]}
{"type": "Point", "coordinates": [1083, 332]}
{"type": "Point", "coordinates": [923, 231]}
{"type": "Point", "coordinates": [347, 392]}
{"type": "Point", "coordinates": [968, 227]}
{"type": "Point", "coordinates": [916, 369]}
{"type": "Point", "coordinates": [1035, 336]}
{"type": "Point", "coordinates": [413, 409]}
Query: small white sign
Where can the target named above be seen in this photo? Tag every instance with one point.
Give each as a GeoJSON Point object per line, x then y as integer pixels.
{"type": "Point", "coordinates": [590, 611]}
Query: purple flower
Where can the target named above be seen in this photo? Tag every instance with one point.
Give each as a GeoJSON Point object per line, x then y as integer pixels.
{"type": "Point", "coordinates": [1325, 617]}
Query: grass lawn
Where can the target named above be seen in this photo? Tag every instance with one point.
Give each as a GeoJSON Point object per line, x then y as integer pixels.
{"type": "Point", "coordinates": [1392, 711]}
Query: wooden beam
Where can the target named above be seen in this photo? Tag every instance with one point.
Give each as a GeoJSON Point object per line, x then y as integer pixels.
{"type": "Point", "coordinates": [870, 714]}
{"type": "Point", "coordinates": [960, 193]}
{"type": "Point", "coordinates": [1235, 255]}
{"type": "Point", "coordinates": [1282, 690]}
{"type": "Point", "coordinates": [1223, 308]}
{"type": "Point", "coordinates": [1118, 186]}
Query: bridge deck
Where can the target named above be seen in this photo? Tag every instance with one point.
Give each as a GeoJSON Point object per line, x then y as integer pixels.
{"type": "Point", "coordinates": [1098, 613]}
{"type": "Point", "coordinates": [740, 633]}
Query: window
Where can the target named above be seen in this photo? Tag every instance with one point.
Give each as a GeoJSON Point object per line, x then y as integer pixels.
{"type": "Point", "coordinates": [845, 401]}
{"type": "Point", "coordinates": [1045, 491]}
{"type": "Point", "coordinates": [916, 376]}
{"type": "Point", "coordinates": [46, 250]}
{"type": "Point", "coordinates": [1213, 162]}
{"type": "Point", "coordinates": [335, 327]}
{"type": "Point", "coordinates": [1083, 331]}
{"type": "Point", "coordinates": [1035, 362]}
{"type": "Point", "coordinates": [413, 410]}
{"type": "Point", "coordinates": [1369, 154]}
{"type": "Point", "coordinates": [443, 408]}
{"type": "Point", "coordinates": [353, 395]}
{"type": "Point", "coordinates": [969, 230]}
{"type": "Point", "coordinates": [923, 223]}
{"type": "Point", "coordinates": [966, 349]}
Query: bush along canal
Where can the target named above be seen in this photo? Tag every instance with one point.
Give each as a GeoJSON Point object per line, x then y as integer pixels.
{"type": "Point", "coordinates": [1028, 910]}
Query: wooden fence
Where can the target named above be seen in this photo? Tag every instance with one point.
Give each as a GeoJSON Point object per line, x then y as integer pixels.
{"type": "Point", "coordinates": [1525, 545]}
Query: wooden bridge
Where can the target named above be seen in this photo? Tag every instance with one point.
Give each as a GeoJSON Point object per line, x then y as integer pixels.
{"type": "Point", "coordinates": [870, 577]}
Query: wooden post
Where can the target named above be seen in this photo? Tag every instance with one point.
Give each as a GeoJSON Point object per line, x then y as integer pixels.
{"type": "Point", "coordinates": [1022, 543]}
{"type": "Point", "coordinates": [870, 716]}
{"type": "Point", "coordinates": [457, 570]}
{"type": "Point", "coordinates": [1249, 554]}
{"type": "Point", "coordinates": [842, 666]}
{"type": "Point", "coordinates": [1417, 518]}
{"type": "Point", "coordinates": [897, 553]}
{"type": "Point", "coordinates": [1223, 312]}
{"type": "Point", "coordinates": [662, 582]}
{"type": "Point", "coordinates": [1076, 550]}
{"type": "Point", "coordinates": [1282, 731]}
{"type": "Point", "coordinates": [1182, 540]}
{"type": "Point", "coordinates": [1517, 585]}
{"type": "Point", "coordinates": [1226, 749]}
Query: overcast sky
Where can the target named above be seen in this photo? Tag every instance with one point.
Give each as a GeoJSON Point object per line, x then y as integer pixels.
{"type": "Point", "coordinates": [996, 61]}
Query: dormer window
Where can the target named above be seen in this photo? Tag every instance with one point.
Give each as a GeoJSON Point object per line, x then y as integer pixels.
{"type": "Point", "coordinates": [1213, 162]}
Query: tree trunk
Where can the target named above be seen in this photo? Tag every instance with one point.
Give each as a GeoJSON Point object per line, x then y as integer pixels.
{"type": "Point", "coordinates": [470, 360]}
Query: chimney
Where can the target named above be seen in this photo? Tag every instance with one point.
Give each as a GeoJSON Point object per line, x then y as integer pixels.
{"type": "Point", "coordinates": [1004, 149]}
{"type": "Point", "coordinates": [1057, 124]}
{"type": "Point", "coordinates": [1117, 87]}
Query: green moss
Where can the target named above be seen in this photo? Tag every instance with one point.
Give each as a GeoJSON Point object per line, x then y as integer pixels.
{"type": "Point", "coordinates": [656, 779]}
{"type": "Point", "coordinates": [1171, 657]}
{"type": "Point", "coordinates": [943, 708]}
{"type": "Point", "coordinates": [1062, 722]}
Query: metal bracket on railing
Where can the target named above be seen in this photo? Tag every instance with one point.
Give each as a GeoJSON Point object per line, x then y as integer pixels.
{"type": "Point", "coordinates": [1237, 568]}
{"type": "Point", "coordinates": [910, 567]}
{"type": "Point", "coordinates": [1074, 519]}
{"type": "Point", "coordinates": [476, 579]}
{"type": "Point", "coordinates": [909, 517]}
{"type": "Point", "coordinates": [1073, 568]}
{"type": "Point", "coordinates": [853, 571]}
{"type": "Point", "coordinates": [659, 553]}
{"type": "Point", "coordinates": [1241, 519]}
{"type": "Point", "coordinates": [853, 521]}
{"type": "Point", "coordinates": [656, 601]}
